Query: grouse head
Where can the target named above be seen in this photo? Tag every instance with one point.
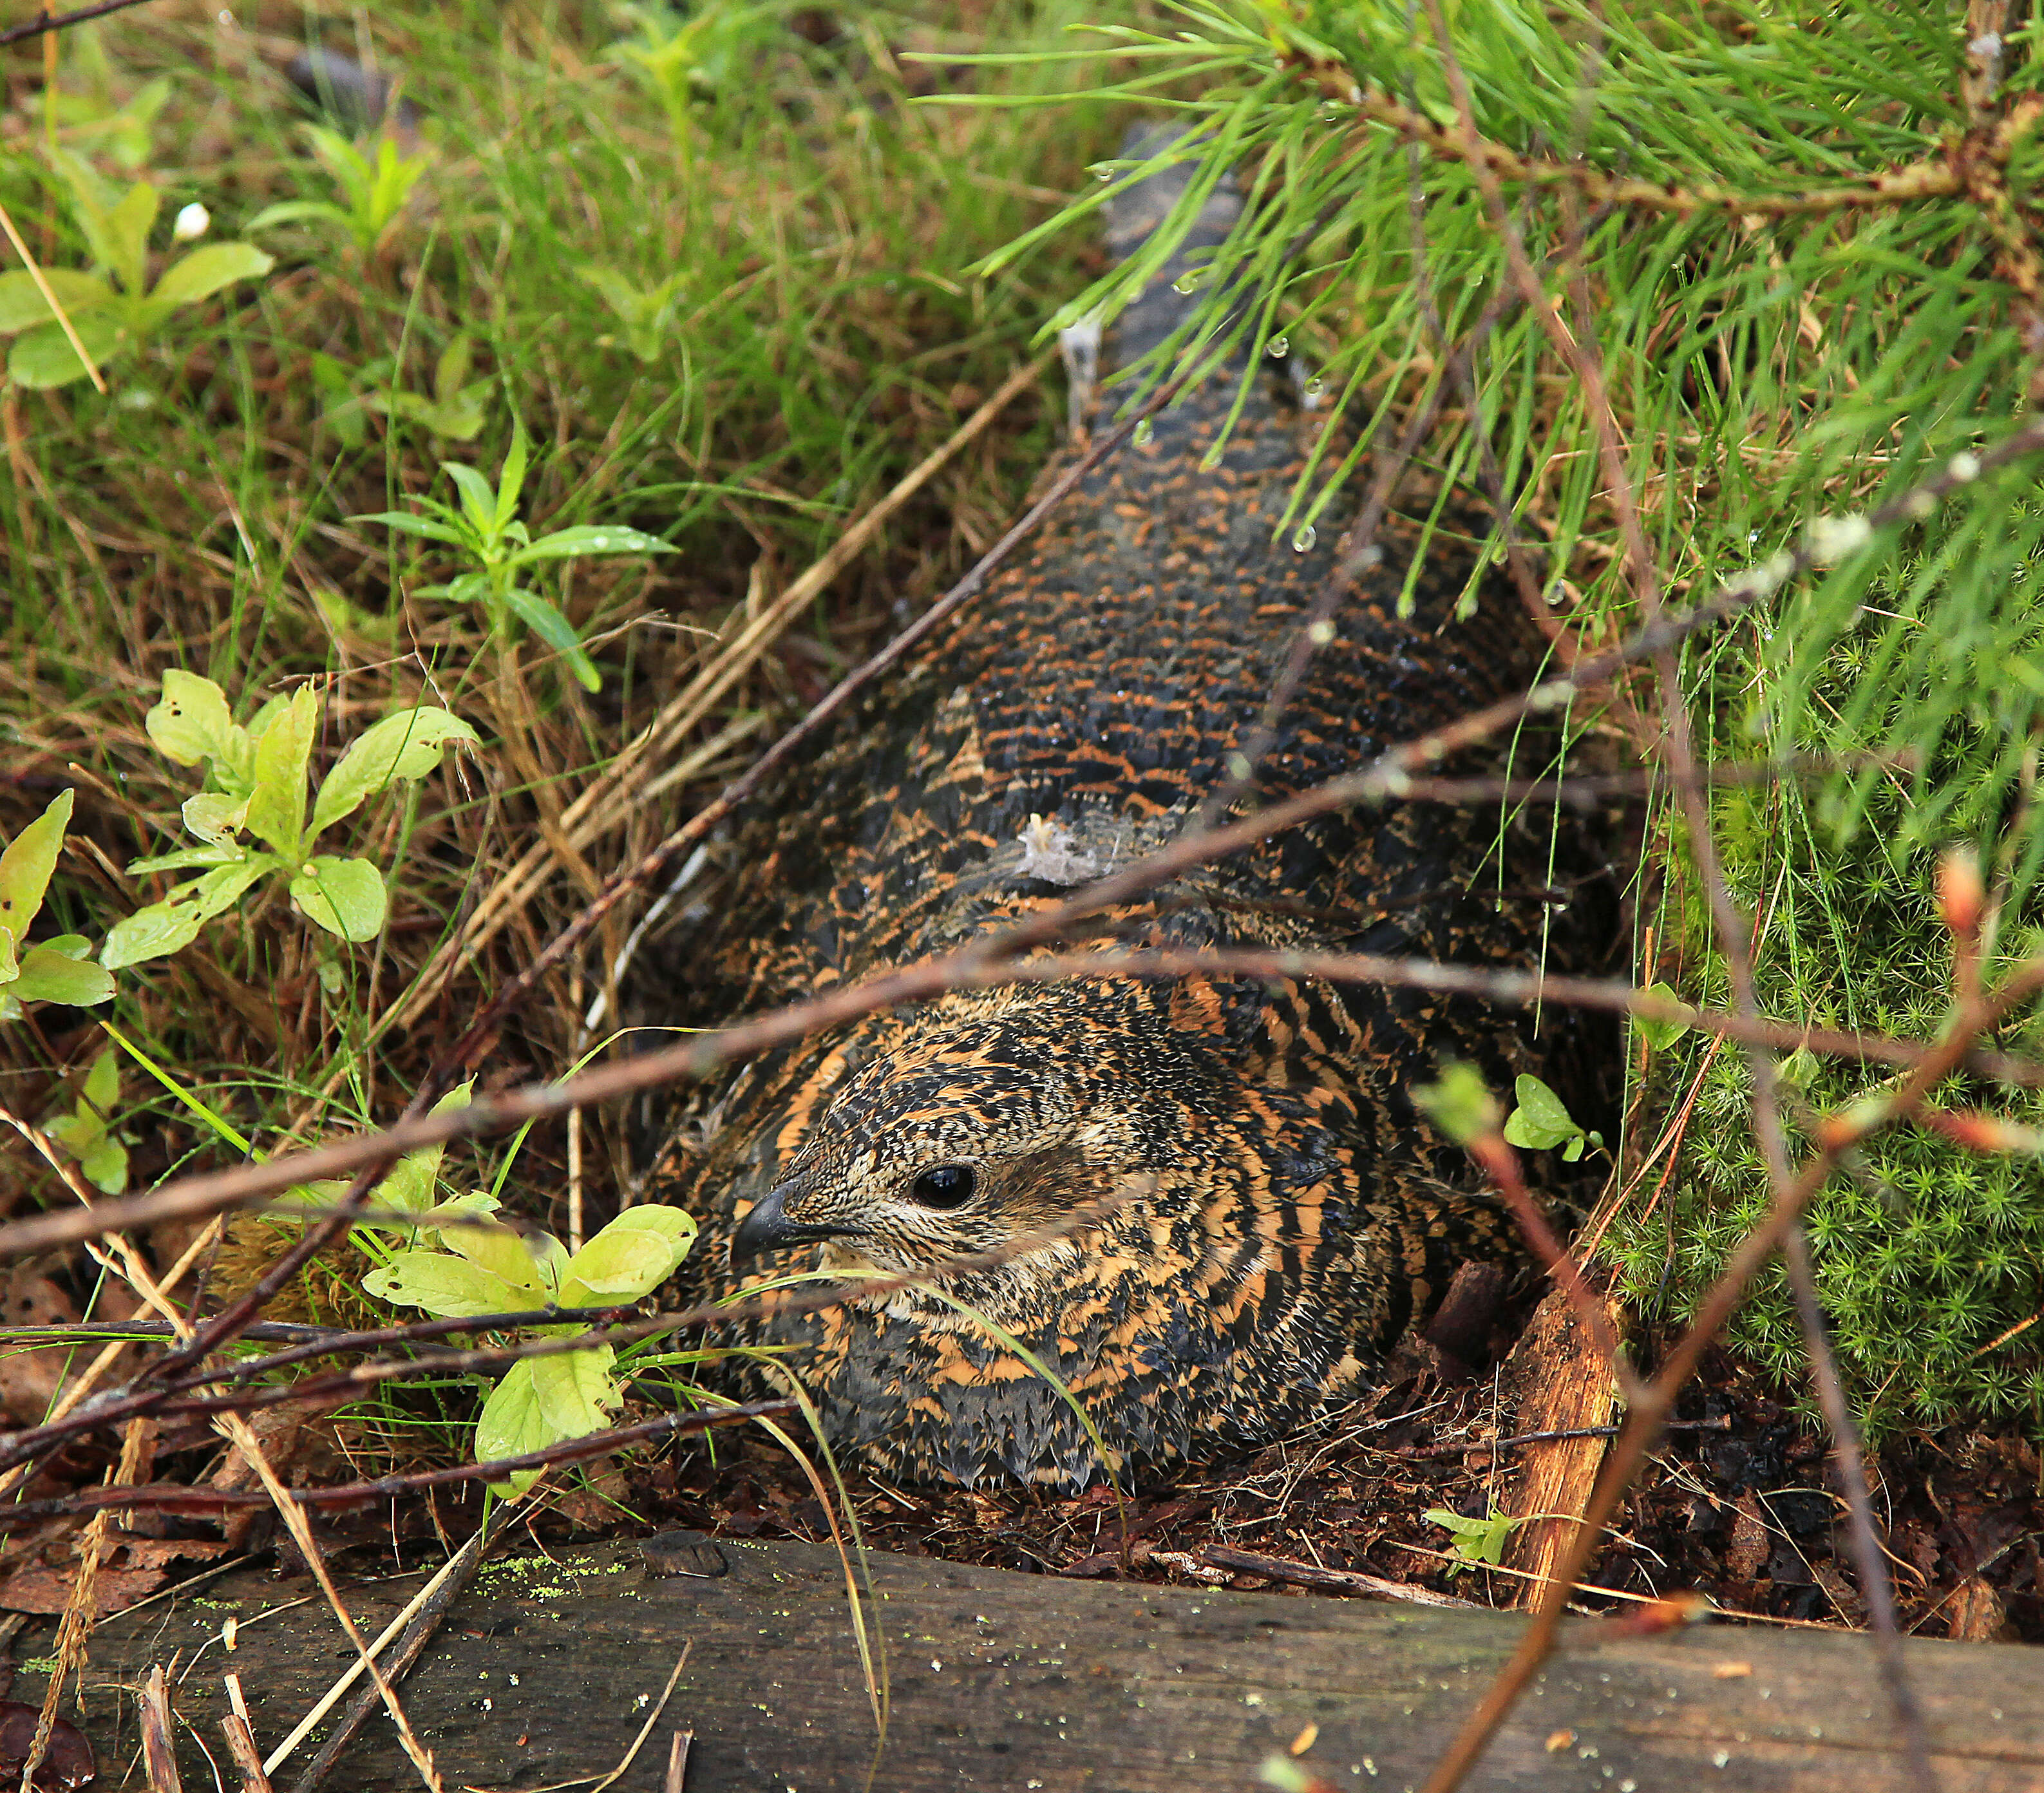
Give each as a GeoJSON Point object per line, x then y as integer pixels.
{"type": "Point", "coordinates": [981, 1128]}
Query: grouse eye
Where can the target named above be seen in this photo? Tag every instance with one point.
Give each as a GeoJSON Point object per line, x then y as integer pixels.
{"type": "Point", "coordinates": [948, 1186]}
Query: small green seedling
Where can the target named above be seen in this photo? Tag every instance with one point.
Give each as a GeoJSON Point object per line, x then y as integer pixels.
{"type": "Point", "coordinates": [486, 530]}
{"type": "Point", "coordinates": [1542, 1121]}
{"type": "Point", "coordinates": [51, 970]}
{"type": "Point", "coordinates": [646, 313]}
{"type": "Point", "coordinates": [111, 305]}
{"type": "Point", "coordinates": [121, 129]}
{"type": "Point", "coordinates": [458, 405]}
{"type": "Point", "coordinates": [1477, 1543]}
{"type": "Point", "coordinates": [1461, 1104]}
{"type": "Point", "coordinates": [541, 1401]}
{"type": "Point", "coordinates": [258, 780]}
{"type": "Point", "coordinates": [1660, 1035]}
{"type": "Point", "coordinates": [85, 1132]}
{"type": "Point", "coordinates": [684, 57]}
{"type": "Point", "coordinates": [373, 192]}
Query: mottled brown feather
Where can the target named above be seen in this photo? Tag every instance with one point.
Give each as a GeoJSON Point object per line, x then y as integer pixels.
{"type": "Point", "coordinates": [1285, 1211]}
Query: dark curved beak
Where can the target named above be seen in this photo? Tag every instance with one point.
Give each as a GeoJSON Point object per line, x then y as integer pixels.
{"type": "Point", "coordinates": [767, 1228]}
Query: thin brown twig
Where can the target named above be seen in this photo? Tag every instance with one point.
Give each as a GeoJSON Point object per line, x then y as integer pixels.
{"type": "Point", "coordinates": [179, 1498]}
{"type": "Point", "coordinates": [48, 23]}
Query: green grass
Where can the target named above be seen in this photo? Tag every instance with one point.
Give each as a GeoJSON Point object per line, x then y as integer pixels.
{"type": "Point", "coordinates": [731, 314]}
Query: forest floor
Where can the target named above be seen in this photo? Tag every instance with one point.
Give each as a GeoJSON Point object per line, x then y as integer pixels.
{"type": "Point", "coordinates": [745, 372]}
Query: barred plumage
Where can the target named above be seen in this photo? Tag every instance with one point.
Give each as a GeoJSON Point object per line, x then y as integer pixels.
{"type": "Point", "coordinates": [1285, 1211]}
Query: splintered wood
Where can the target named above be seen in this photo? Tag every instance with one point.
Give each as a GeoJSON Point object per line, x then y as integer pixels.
{"type": "Point", "coordinates": [1561, 1382]}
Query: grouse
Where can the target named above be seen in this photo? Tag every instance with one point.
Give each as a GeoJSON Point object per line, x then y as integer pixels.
{"type": "Point", "coordinates": [1226, 1202]}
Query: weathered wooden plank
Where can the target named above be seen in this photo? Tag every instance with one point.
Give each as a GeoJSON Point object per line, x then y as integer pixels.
{"type": "Point", "coordinates": [1015, 1682]}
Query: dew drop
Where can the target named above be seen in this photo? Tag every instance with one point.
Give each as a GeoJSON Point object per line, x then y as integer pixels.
{"type": "Point", "coordinates": [1146, 433]}
{"type": "Point", "coordinates": [1304, 539]}
{"type": "Point", "coordinates": [1278, 348]}
{"type": "Point", "coordinates": [1315, 387]}
{"type": "Point", "coordinates": [1186, 284]}
{"type": "Point", "coordinates": [1101, 171]}
{"type": "Point", "coordinates": [1210, 460]}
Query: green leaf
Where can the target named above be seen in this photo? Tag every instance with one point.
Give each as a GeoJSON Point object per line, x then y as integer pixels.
{"type": "Point", "coordinates": [85, 1132]}
{"type": "Point", "coordinates": [47, 975]}
{"type": "Point", "coordinates": [22, 303]}
{"type": "Point", "coordinates": [478, 500]}
{"type": "Point", "coordinates": [507, 1256]}
{"type": "Point", "coordinates": [405, 522]}
{"type": "Point", "coordinates": [295, 211]}
{"type": "Point", "coordinates": [206, 270]}
{"type": "Point", "coordinates": [450, 1286]}
{"type": "Point", "coordinates": [128, 227]}
{"type": "Point", "coordinates": [155, 931]}
{"type": "Point", "coordinates": [576, 1391]}
{"type": "Point", "coordinates": [187, 859]}
{"type": "Point", "coordinates": [410, 1183]}
{"type": "Point", "coordinates": [557, 632]}
{"type": "Point", "coordinates": [407, 746]}
{"type": "Point", "coordinates": [26, 866]}
{"type": "Point", "coordinates": [1660, 1035]}
{"type": "Point", "coordinates": [344, 896]}
{"type": "Point", "coordinates": [513, 478]}
{"type": "Point", "coordinates": [1460, 1104]}
{"type": "Point", "coordinates": [512, 1424]}
{"type": "Point", "coordinates": [215, 818]}
{"type": "Point", "coordinates": [161, 929]}
{"type": "Point", "coordinates": [42, 359]}
{"type": "Point", "coordinates": [190, 721]}
{"type": "Point", "coordinates": [1540, 1121]}
{"type": "Point", "coordinates": [1474, 1541]}
{"type": "Point", "coordinates": [105, 1166]}
{"type": "Point", "coordinates": [590, 538]}
{"type": "Point", "coordinates": [635, 1253]}
{"type": "Point", "coordinates": [277, 804]}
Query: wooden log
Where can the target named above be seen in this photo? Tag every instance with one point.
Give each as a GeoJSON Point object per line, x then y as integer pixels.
{"type": "Point", "coordinates": [1007, 1681]}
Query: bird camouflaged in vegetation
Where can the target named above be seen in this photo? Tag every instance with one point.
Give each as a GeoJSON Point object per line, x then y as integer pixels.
{"type": "Point", "coordinates": [1272, 1209]}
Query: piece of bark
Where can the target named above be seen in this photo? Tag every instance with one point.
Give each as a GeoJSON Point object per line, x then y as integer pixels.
{"type": "Point", "coordinates": [1975, 1614]}
{"type": "Point", "coordinates": [1557, 1380]}
{"type": "Point", "coordinates": [996, 1680]}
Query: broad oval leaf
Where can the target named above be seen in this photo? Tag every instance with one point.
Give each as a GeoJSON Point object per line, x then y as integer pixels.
{"type": "Point", "coordinates": [191, 720]}
{"type": "Point", "coordinates": [505, 1255]}
{"type": "Point", "coordinates": [450, 1286]}
{"type": "Point", "coordinates": [161, 929]}
{"type": "Point", "coordinates": [512, 1425]}
{"type": "Point", "coordinates": [205, 270]}
{"type": "Point", "coordinates": [215, 817]}
{"type": "Point", "coordinates": [590, 538]}
{"type": "Point", "coordinates": [48, 976]}
{"type": "Point", "coordinates": [22, 304]}
{"type": "Point", "coordinates": [407, 746]}
{"type": "Point", "coordinates": [632, 1256]}
{"type": "Point", "coordinates": [576, 1391]}
{"type": "Point", "coordinates": [1660, 1034]}
{"type": "Point", "coordinates": [154, 932]}
{"type": "Point", "coordinates": [42, 358]}
{"type": "Point", "coordinates": [25, 866]}
{"type": "Point", "coordinates": [344, 896]}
